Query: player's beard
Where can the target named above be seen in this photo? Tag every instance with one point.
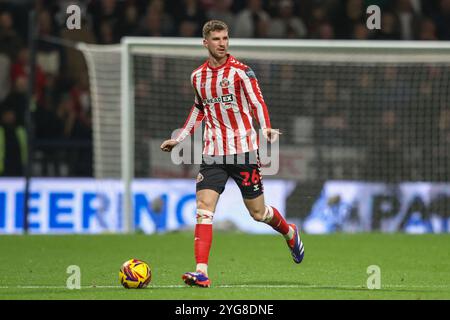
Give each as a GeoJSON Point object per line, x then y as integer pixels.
{"type": "Point", "coordinates": [218, 56]}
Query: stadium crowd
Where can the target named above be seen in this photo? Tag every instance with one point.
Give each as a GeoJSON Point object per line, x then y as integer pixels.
{"type": "Point", "coordinates": [62, 111]}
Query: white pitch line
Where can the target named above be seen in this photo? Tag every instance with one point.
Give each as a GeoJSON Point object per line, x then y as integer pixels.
{"type": "Point", "coordinates": [242, 286]}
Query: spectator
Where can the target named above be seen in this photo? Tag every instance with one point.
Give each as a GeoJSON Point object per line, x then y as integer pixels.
{"type": "Point", "coordinates": [5, 79]}
{"type": "Point", "coordinates": [325, 32]}
{"type": "Point", "coordinates": [315, 16]}
{"type": "Point", "coordinates": [286, 25]}
{"type": "Point", "coordinates": [352, 13]}
{"type": "Point", "coordinates": [81, 105]}
{"type": "Point", "coordinates": [389, 28]}
{"type": "Point", "coordinates": [262, 28]}
{"type": "Point", "coordinates": [221, 10]}
{"type": "Point", "coordinates": [106, 33]}
{"type": "Point", "coordinates": [426, 133]}
{"type": "Point", "coordinates": [10, 42]}
{"type": "Point", "coordinates": [104, 11]}
{"type": "Point", "coordinates": [189, 10]}
{"type": "Point", "coordinates": [393, 91]}
{"type": "Point", "coordinates": [360, 32]}
{"type": "Point", "coordinates": [332, 118]}
{"type": "Point", "coordinates": [252, 21]}
{"type": "Point", "coordinates": [442, 20]}
{"type": "Point", "coordinates": [13, 145]}
{"type": "Point", "coordinates": [386, 160]}
{"type": "Point", "coordinates": [188, 29]}
{"type": "Point", "coordinates": [66, 112]}
{"type": "Point", "coordinates": [20, 69]}
{"type": "Point", "coordinates": [407, 18]}
{"type": "Point", "coordinates": [156, 23]}
{"type": "Point", "coordinates": [17, 99]}
{"type": "Point", "coordinates": [427, 30]}
{"type": "Point", "coordinates": [362, 106]}
{"type": "Point", "coordinates": [129, 23]}
{"type": "Point", "coordinates": [48, 55]}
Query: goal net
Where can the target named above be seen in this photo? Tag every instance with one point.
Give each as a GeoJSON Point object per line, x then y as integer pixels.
{"type": "Point", "coordinates": [348, 110]}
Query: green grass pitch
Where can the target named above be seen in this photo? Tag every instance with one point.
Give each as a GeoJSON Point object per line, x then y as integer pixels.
{"type": "Point", "coordinates": [242, 266]}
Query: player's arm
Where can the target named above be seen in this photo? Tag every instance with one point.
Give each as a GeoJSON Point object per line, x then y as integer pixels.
{"type": "Point", "coordinates": [257, 104]}
{"type": "Point", "coordinates": [193, 121]}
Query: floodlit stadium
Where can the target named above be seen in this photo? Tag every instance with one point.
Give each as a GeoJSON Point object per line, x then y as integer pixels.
{"type": "Point", "coordinates": [110, 111]}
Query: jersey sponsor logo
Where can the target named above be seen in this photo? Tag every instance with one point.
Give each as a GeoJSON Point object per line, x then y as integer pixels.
{"type": "Point", "coordinates": [222, 99]}
{"type": "Point", "coordinates": [250, 73]}
{"type": "Point", "coordinates": [227, 98]}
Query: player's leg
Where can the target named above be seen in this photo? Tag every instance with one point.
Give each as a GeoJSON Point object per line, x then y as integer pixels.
{"type": "Point", "coordinates": [210, 184]}
{"type": "Point", "coordinates": [248, 177]}
{"type": "Point", "coordinates": [249, 180]}
{"type": "Point", "coordinates": [206, 206]}
{"type": "Point", "coordinates": [271, 216]}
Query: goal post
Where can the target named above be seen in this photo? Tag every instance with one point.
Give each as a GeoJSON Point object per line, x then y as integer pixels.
{"type": "Point", "coordinates": [340, 104]}
{"type": "Point", "coordinates": [127, 135]}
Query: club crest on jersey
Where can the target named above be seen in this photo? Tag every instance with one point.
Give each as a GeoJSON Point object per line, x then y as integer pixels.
{"type": "Point", "coordinates": [224, 83]}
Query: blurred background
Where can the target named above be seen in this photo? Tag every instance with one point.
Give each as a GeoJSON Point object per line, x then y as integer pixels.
{"type": "Point", "coordinates": [390, 122]}
{"type": "Point", "coordinates": [63, 111]}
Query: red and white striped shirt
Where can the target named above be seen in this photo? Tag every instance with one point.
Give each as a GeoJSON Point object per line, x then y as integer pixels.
{"type": "Point", "coordinates": [226, 98]}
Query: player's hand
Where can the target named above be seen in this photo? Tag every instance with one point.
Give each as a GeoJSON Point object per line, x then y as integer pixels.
{"type": "Point", "coordinates": [168, 145]}
{"type": "Point", "coordinates": [271, 134]}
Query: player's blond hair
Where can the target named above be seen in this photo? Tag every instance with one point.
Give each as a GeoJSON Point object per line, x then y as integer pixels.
{"type": "Point", "coordinates": [213, 25]}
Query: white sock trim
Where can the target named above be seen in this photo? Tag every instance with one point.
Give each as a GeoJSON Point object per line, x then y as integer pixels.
{"type": "Point", "coordinates": [203, 267]}
{"type": "Point", "coordinates": [204, 216]}
{"type": "Point", "coordinates": [268, 215]}
{"type": "Point", "coordinates": [290, 234]}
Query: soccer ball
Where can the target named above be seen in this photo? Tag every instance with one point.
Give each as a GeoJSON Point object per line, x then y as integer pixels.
{"type": "Point", "coordinates": [135, 274]}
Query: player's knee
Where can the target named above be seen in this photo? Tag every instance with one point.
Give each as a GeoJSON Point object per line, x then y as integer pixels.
{"type": "Point", "coordinates": [204, 204]}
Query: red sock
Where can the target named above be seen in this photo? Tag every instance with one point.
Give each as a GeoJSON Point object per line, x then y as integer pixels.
{"type": "Point", "coordinates": [278, 223]}
{"type": "Point", "coordinates": [202, 242]}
